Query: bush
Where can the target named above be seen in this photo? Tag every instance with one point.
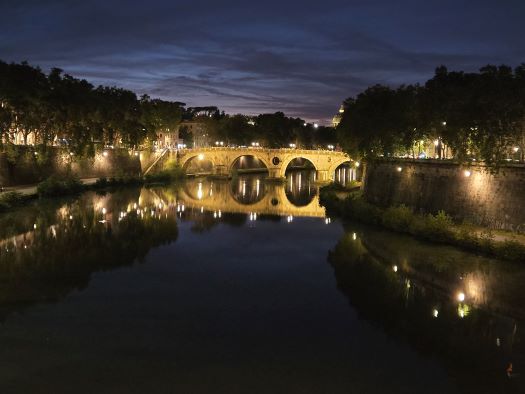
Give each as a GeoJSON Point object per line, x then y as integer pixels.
{"type": "Point", "coordinates": [398, 218]}
{"type": "Point", "coordinates": [56, 186]}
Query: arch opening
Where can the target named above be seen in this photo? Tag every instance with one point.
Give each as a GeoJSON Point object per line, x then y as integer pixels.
{"type": "Point", "coordinates": [300, 187]}
{"type": "Point", "coordinates": [345, 173]}
{"type": "Point", "coordinates": [248, 164]}
{"type": "Point", "coordinates": [299, 164]}
{"type": "Point", "coordinates": [198, 165]}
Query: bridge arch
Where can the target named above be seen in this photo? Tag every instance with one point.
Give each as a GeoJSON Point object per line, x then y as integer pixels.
{"type": "Point", "coordinates": [286, 162]}
{"type": "Point", "coordinates": [187, 160]}
{"type": "Point", "coordinates": [338, 163]}
{"type": "Point", "coordinates": [237, 157]}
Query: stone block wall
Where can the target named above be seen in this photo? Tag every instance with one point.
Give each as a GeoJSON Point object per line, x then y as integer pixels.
{"type": "Point", "coordinates": [466, 193]}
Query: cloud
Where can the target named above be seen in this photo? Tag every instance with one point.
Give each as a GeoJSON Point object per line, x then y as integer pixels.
{"type": "Point", "coordinates": [300, 57]}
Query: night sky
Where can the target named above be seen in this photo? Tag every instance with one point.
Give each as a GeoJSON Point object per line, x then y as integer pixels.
{"type": "Point", "coordinates": [260, 56]}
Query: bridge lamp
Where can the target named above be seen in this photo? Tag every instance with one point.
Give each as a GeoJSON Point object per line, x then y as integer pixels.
{"type": "Point", "coordinates": [435, 313]}
{"type": "Point", "coordinates": [105, 153]}
{"type": "Point", "coordinates": [461, 297]}
{"type": "Point", "coordinates": [515, 149]}
{"type": "Point", "coordinates": [201, 157]}
{"type": "Point", "coordinates": [467, 173]}
{"type": "Point", "coordinates": [436, 142]}
{"type": "Point", "coordinates": [316, 125]}
{"type": "Point", "coordinates": [357, 164]}
{"type": "Point", "coordinates": [394, 268]}
{"type": "Point", "coordinates": [399, 169]}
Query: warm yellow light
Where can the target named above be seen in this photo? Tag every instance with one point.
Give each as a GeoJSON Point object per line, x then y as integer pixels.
{"type": "Point", "coordinates": [436, 142]}
{"type": "Point", "coordinates": [461, 297]}
{"type": "Point", "coordinates": [105, 154]}
{"type": "Point", "coordinates": [467, 173]}
{"type": "Point", "coordinates": [435, 313]}
{"type": "Point", "coordinates": [357, 164]}
{"type": "Point", "coordinates": [399, 169]}
{"type": "Point", "coordinates": [516, 148]}
{"type": "Point", "coordinates": [201, 156]}
{"type": "Point", "coordinates": [394, 268]}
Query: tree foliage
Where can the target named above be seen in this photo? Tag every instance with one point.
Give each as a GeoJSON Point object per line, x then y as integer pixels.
{"type": "Point", "coordinates": [60, 109]}
{"type": "Point", "coordinates": [478, 115]}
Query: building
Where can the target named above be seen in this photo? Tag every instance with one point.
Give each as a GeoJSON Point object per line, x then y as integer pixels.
{"type": "Point", "coordinates": [338, 117]}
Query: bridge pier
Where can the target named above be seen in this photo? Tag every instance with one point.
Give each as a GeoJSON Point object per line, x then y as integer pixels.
{"type": "Point", "coordinates": [275, 174]}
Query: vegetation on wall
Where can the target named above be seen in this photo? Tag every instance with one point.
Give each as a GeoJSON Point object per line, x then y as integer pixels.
{"type": "Point", "coordinates": [439, 227]}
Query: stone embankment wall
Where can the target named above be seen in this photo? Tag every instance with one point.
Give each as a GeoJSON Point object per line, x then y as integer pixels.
{"type": "Point", "coordinates": [466, 193]}
{"type": "Point", "coordinates": [27, 168]}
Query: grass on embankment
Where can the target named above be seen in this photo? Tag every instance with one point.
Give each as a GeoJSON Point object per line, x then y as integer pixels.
{"type": "Point", "coordinates": [438, 228]}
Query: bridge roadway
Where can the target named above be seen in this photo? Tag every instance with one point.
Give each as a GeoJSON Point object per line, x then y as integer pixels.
{"type": "Point", "coordinates": [276, 161]}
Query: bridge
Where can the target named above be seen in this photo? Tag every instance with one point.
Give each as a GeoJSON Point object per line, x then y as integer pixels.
{"type": "Point", "coordinates": [276, 161]}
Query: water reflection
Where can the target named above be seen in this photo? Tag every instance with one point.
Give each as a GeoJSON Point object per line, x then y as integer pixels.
{"type": "Point", "coordinates": [464, 310]}
{"type": "Point", "coordinates": [254, 196]}
{"type": "Point", "coordinates": [300, 187]}
{"type": "Point", "coordinates": [48, 250]}
{"type": "Point", "coordinates": [247, 189]}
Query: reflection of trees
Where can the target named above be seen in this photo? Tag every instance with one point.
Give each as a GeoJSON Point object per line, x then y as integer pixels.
{"type": "Point", "coordinates": [68, 244]}
{"type": "Point", "coordinates": [402, 306]}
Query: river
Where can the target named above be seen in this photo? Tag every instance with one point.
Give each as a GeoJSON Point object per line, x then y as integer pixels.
{"type": "Point", "coordinates": [245, 287]}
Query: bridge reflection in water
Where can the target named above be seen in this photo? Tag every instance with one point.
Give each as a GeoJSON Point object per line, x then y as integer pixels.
{"type": "Point", "coordinates": [251, 194]}
{"type": "Point", "coordinates": [105, 231]}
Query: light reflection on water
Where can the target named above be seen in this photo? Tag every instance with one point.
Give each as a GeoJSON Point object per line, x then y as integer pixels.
{"type": "Point", "coordinates": [465, 310]}
{"type": "Point", "coordinates": [458, 309]}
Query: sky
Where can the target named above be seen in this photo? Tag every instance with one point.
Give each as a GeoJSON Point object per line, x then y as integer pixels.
{"type": "Point", "coordinates": [300, 57]}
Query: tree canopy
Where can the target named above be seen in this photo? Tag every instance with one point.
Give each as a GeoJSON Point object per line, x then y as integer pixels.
{"type": "Point", "coordinates": [478, 115]}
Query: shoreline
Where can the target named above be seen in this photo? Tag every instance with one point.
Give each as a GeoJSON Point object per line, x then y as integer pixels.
{"type": "Point", "coordinates": [439, 228]}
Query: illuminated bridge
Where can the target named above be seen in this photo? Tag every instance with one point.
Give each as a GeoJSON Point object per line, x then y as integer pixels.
{"type": "Point", "coordinates": [223, 159]}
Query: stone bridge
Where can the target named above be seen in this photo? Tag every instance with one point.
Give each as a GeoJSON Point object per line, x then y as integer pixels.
{"type": "Point", "coordinates": [276, 161]}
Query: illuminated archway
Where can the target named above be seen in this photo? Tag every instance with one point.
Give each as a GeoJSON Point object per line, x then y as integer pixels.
{"type": "Point", "coordinates": [248, 163]}
{"type": "Point", "coordinates": [198, 164]}
{"type": "Point", "coordinates": [345, 173]}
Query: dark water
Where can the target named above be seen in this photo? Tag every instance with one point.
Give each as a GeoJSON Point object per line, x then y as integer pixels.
{"type": "Point", "coordinates": [244, 287]}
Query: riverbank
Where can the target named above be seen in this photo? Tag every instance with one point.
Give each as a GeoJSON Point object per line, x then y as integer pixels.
{"type": "Point", "coordinates": [438, 228]}
{"type": "Point", "coordinates": [56, 186]}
